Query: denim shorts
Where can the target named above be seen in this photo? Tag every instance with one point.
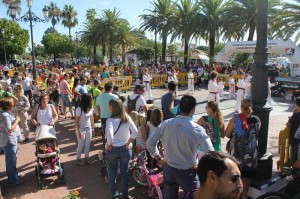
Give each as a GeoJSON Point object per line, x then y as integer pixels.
{"type": "Point", "coordinates": [66, 100]}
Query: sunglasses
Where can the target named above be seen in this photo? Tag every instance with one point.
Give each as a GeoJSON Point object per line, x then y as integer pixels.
{"type": "Point", "coordinates": [235, 178]}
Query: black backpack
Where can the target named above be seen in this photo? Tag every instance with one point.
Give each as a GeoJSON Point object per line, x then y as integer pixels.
{"type": "Point", "coordinates": [131, 104]}
{"type": "Point", "coordinates": [245, 148]}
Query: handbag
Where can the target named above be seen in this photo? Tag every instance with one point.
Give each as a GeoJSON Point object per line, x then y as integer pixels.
{"type": "Point", "coordinates": [210, 130]}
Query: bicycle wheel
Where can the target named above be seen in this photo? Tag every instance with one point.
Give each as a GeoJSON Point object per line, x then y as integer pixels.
{"type": "Point", "coordinates": [274, 195]}
{"type": "Point", "coordinates": [33, 102]}
{"type": "Point", "coordinates": [140, 177]}
{"type": "Point", "coordinates": [154, 194]}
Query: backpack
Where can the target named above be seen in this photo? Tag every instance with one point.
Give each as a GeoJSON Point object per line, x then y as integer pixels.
{"type": "Point", "coordinates": [131, 104]}
{"type": "Point", "coordinates": [210, 130]}
{"type": "Point", "coordinates": [244, 146]}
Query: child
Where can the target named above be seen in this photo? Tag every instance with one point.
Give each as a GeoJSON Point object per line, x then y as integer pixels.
{"type": "Point", "coordinates": [231, 87]}
{"type": "Point", "coordinates": [155, 120]}
{"type": "Point", "coordinates": [141, 137]}
{"type": "Point", "coordinates": [135, 118]}
{"type": "Point", "coordinates": [35, 88]}
{"type": "Point", "coordinates": [44, 149]}
{"type": "Point", "coordinates": [221, 87]}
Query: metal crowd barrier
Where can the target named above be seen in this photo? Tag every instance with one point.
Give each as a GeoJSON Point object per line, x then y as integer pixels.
{"type": "Point", "coordinates": [124, 83]}
{"type": "Point", "coordinates": [225, 78]}
{"type": "Point", "coordinates": [183, 78]}
{"type": "Point", "coordinates": [158, 80]}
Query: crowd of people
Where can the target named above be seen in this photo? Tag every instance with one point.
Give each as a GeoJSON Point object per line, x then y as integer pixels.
{"type": "Point", "coordinates": [188, 148]}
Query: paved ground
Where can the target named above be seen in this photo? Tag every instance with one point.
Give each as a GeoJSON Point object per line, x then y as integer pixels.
{"type": "Point", "coordinates": [86, 178]}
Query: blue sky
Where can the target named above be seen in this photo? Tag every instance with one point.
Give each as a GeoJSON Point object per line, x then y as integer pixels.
{"type": "Point", "coordinates": [129, 9]}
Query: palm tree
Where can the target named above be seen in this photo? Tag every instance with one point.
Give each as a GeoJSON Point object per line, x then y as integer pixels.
{"type": "Point", "coordinates": [54, 14]}
{"type": "Point", "coordinates": [242, 15]}
{"type": "Point", "coordinates": [288, 22]}
{"type": "Point", "coordinates": [94, 34]}
{"type": "Point", "coordinates": [124, 37]}
{"type": "Point", "coordinates": [185, 18]}
{"type": "Point", "coordinates": [15, 3]}
{"type": "Point", "coordinates": [165, 10]}
{"type": "Point", "coordinates": [111, 22]}
{"type": "Point", "coordinates": [69, 16]}
{"type": "Point", "coordinates": [91, 15]}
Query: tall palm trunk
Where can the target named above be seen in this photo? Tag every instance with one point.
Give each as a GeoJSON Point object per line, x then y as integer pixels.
{"type": "Point", "coordinates": [103, 46]}
{"type": "Point", "coordinates": [123, 53]}
{"type": "Point", "coordinates": [70, 32]}
{"type": "Point", "coordinates": [186, 50]}
{"type": "Point", "coordinates": [53, 30]}
{"type": "Point", "coordinates": [95, 52]}
{"type": "Point", "coordinates": [164, 46]}
{"type": "Point", "coordinates": [251, 30]}
{"type": "Point", "coordinates": [212, 39]}
{"type": "Point", "coordinates": [111, 51]}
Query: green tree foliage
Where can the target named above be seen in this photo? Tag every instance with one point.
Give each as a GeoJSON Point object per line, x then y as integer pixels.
{"type": "Point", "coordinates": [56, 44]}
{"type": "Point", "coordinates": [172, 50]}
{"type": "Point", "coordinates": [143, 53]}
{"type": "Point", "coordinates": [20, 41]}
{"type": "Point", "coordinates": [50, 30]}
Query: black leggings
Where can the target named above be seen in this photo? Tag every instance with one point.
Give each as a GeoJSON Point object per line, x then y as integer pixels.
{"type": "Point", "coordinates": [103, 125]}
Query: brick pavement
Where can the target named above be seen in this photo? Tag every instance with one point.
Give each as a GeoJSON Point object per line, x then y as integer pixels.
{"type": "Point", "coordinates": [86, 178]}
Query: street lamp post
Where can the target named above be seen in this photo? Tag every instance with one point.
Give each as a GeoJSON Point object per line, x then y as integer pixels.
{"type": "Point", "coordinates": [4, 48]}
{"type": "Point", "coordinates": [259, 96]}
{"type": "Point", "coordinates": [30, 17]}
{"type": "Point", "coordinates": [12, 37]}
{"type": "Point", "coordinates": [164, 22]}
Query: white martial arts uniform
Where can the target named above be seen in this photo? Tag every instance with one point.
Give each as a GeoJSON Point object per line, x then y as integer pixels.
{"type": "Point", "coordinates": [190, 83]}
{"type": "Point", "coordinates": [231, 88]}
{"type": "Point", "coordinates": [146, 80]}
{"type": "Point", "coordinates": [240, 94]}
{"type": "Point", "coordinates": [213, 89]}
{"type": "Point", "coordinates": [221, 88]}
{"type": "Point", "coordinates": [174, 79]}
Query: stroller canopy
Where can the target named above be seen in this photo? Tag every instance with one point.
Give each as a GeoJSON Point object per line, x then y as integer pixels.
{"type": "Point", "coordinates": [44, 132]}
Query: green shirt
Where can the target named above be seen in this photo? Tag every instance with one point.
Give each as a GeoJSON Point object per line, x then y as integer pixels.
{"type": "Point", "coordinates": [217, 145]}
{"type": "Point", "coordinates": [96, 92]}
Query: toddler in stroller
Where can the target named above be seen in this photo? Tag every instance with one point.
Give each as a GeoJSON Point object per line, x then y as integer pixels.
{"type": "Point", "coordinates": [47, 154]}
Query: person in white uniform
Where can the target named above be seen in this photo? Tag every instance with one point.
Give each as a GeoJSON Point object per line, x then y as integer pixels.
{"type": "Point", "coordinates": [213, 88]}
{"type": "Point", "coordinates": [231, 87]}
{"type": "Point", "coordinates": [240, 94]}
{"type": "Point", "coordinates": [146, 79]}
{"type": "Point", "coordinates": [190, 82]}
{"type": "Point", "coordinates": [173, 77]}
{"type": "Point", "coordinates": [221, 87]}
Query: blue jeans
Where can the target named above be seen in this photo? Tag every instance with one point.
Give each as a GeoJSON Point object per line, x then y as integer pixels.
{"type": "Point", "coordinates": [10, 152]}
{"type": "Point", "coordinates": [118, 155]}
{"type": "Point", "coordinates": [187, 179]}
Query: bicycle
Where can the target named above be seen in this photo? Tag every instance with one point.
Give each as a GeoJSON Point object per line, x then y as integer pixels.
{"type": "Point", "coordinates": [145, 177]}
{"type": "Point", "coordinates": [102, 156]}
{"type": "Point", "coordinates": [35, 99]}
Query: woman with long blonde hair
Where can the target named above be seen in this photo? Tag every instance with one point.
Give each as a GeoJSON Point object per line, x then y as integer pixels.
{"type": "Point", "coordinates": [215, 120]}
{"type": "Point", "coordinates": [120, 132]}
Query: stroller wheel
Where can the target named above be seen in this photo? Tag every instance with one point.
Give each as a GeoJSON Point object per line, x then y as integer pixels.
{"type": "Point", "coordinates": [40, 185]}
{"type": "Point", "coordinates": [61, 178]}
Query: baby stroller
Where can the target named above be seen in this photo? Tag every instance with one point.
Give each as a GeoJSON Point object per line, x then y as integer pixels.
{"type": "Point", "coordinates": [47, 154]}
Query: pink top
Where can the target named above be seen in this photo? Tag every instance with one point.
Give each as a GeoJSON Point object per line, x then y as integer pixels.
{"type": "Point", "coordinates": [64, 85]}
